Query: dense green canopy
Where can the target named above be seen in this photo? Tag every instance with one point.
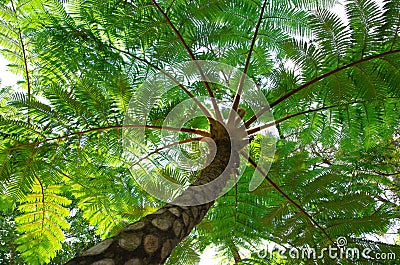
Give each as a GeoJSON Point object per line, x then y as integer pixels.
{"type": "Point", "coordinates": [332, 83]}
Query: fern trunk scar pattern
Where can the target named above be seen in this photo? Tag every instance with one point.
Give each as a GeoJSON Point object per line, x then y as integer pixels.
{"type": "Point", "coordinates": [151, 240]}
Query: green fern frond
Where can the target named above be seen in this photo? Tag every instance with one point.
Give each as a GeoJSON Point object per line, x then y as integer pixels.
{"type": "Point", "coordinates": [42, 223]}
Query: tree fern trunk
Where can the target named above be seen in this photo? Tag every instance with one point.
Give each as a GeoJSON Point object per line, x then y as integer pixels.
{"type": "Point", "coordinates": [152, 239]}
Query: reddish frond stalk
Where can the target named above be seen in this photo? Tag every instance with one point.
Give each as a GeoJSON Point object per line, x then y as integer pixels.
{"type": "Point", "coordinates": [238, 94]}
{"type": "Point", "coordinates": [25, 59]}
{"type": "Point", "coordinates": [43, 203]}
{"type": "Point", "coordinates": [315, 80]}
{"type": "Point", "coordinates": [193, 58]}
{"type": "Point", "coordinates": [166, 128]}
{"type": "Point", "coordinates": [184, 89]}
{"type": "Point", "coordinates": [189, 140]}
{"type": "Point", "coordinates": [286, 196]}
{"type": "Point", "coordinates": [255, 130]}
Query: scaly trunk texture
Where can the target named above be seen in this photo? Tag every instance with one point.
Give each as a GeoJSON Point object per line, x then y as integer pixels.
{"type": "Point", "coordinates": [152, 239]}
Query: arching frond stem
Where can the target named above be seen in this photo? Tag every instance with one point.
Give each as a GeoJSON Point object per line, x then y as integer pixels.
{"type": "Point", "coordinates": [189, 140]}
{"type": "Point", "coordinates": [69, 177]}
{"type": "Point", "coordinates": [43, 203]}
{"type": "Point", "coordinates": [186, 130]}
{"type": "Point", "coordinates": [255, 130]}
{"type": "Point", "coordinates": [278, 189]}
{"type": "Point", "coordinates": [235, 252]}
{"type": "Point", "coordinates": [315, 80]}
{"type": "Point", "coordinates": [187, 92]}
{"type": "Point", "coordinates": [23, 49]}
{"type": "Point", "coordinates": [193, 58]}
{"type": "Point", "coordinates": [386, 174]}
{"type": "Point", "coordinates": [239, 91]}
